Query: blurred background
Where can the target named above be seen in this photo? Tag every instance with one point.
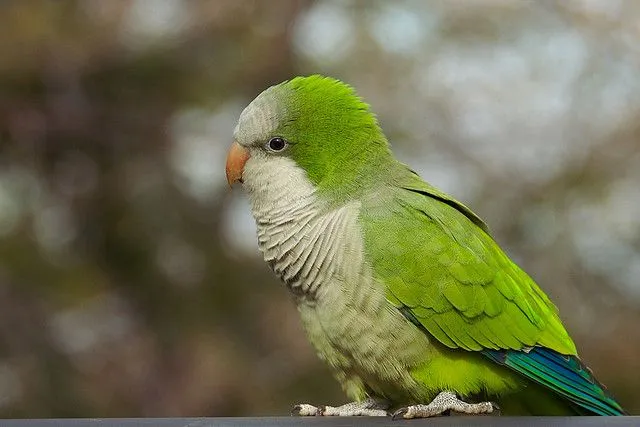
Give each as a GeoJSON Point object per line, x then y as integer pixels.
{"type": "Point", "coordinates": [130, 281]}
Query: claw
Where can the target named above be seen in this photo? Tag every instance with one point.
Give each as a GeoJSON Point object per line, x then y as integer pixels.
{"type": "Point", "coordinates": [399, 414]}
{"type": "Point", "coordinates": [496, 409]}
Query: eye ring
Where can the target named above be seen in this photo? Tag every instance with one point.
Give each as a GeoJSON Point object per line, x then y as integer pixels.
{"type": "Point", "coordinates": [276, 144]}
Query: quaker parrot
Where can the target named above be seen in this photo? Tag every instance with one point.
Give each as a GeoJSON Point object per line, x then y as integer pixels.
{"type": "Point", "coordinates": [402, 290]}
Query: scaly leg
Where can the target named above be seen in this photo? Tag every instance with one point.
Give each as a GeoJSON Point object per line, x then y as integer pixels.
{"type": "Point", "coordinates": [369, 407]}
{"type": "Point", "coordinates": [445, 401]}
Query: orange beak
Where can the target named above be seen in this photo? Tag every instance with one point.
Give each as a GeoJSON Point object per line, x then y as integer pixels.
{"type": "Point", "coordinates": [236, 159]}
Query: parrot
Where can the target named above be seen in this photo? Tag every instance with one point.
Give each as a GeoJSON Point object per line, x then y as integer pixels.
{"type": "Point", "coordinates": [401, 289]}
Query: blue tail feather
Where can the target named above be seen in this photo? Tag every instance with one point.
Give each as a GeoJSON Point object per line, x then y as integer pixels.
{"type": "Point", "coordinates": [565, 375]}
{"type": "Point", "coordinates": [560, 372]}
{"type": "Point", "coordinates": [564, 386]}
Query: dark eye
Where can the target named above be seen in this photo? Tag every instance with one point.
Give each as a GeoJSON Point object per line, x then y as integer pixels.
{"type": "Point", "coordinates": [277, 144]}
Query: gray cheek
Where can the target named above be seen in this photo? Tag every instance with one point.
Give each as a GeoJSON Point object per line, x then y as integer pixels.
{"type": "Point", "coordinates": [256, 171]}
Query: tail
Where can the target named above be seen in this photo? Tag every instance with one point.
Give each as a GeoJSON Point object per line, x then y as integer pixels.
{"type": "Point", "coordinates": [565, 375]}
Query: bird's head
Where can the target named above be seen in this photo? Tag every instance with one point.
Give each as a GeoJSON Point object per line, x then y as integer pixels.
{"type": "Point", "coordinates": [313, 129]}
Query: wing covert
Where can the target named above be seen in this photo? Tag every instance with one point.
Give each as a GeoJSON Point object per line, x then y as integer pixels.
{"type": "Point", "coordinates": [441, 266]}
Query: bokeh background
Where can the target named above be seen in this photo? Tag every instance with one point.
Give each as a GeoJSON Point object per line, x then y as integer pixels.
{"type": "Point", "coordinates": [130, 281]}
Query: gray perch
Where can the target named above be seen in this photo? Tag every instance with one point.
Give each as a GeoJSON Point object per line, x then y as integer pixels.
{"type": "Point", "coordinates": [483, 421]}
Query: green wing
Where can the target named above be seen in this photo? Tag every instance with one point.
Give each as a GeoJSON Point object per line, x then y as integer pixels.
{"type": "Point", "coordinates": [444, 271]}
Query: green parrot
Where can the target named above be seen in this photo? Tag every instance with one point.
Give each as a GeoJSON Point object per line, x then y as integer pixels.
{"type": "Point", "coordinates": [401, 288]}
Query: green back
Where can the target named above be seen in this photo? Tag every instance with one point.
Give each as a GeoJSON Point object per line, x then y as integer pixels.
{"type": "Point", "coordinates": [443, 269]}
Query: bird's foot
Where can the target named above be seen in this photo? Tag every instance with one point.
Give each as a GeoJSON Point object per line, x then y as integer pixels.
{"type": "Point", "coordinates": [369, 408]}
{"type": "Point", "coordinates": [443, 402]}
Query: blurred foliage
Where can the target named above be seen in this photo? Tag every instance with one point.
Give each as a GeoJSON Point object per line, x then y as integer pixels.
{"type": "Point", "coordinates": [126, 288]}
